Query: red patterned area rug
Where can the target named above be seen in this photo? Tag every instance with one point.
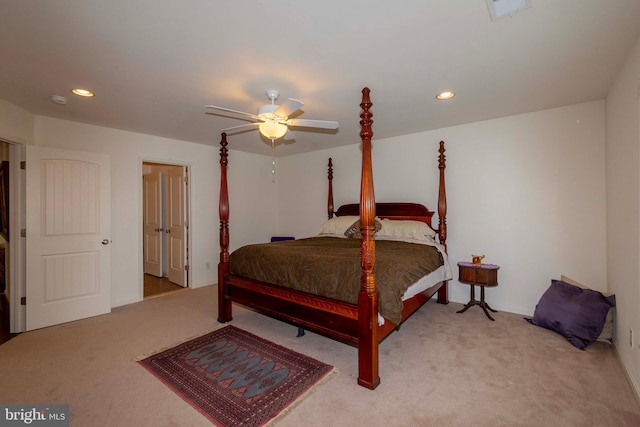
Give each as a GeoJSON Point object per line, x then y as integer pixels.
{"type": "Point", "coordinates": [236, 378]}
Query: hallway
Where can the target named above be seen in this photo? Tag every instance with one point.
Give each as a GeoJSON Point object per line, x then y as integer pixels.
{"type": "Point", "coordinates": [156, 286]}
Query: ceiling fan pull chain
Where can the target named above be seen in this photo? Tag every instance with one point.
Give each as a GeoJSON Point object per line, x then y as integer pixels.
{"type": "Point", "coordinates": [273, 160]}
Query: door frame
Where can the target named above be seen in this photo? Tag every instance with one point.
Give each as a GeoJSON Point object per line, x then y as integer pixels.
{"type": "Point", "coordinates": [16, 269]}
{"type": "Point", "coordinates": [189, 252]}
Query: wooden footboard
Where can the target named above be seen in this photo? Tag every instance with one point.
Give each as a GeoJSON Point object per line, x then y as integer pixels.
{"type": "Point", "coordinates": [334, 319]}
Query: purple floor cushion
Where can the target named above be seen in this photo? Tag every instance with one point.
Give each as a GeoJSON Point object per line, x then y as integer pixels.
{"type": "Point", "coordinates": [575, 313]}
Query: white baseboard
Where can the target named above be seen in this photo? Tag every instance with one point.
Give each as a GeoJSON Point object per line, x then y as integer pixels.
{"type": "Point", "coordinates": [632, 381]}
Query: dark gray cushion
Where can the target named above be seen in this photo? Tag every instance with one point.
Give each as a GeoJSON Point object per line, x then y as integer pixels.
{"type": "Point", "coordinates": [353, 232]}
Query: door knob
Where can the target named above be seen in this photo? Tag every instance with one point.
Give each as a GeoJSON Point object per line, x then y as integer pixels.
{"type": "Point", "coordinates": [105, 241]}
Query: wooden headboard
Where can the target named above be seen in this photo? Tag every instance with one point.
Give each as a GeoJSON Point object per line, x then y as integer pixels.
{"type": "Point", "coordinates": [401, 210]}
{"type": "Point", "coordinates": [397, 211]}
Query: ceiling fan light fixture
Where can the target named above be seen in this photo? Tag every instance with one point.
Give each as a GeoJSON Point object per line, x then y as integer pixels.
{"type": "Point", "coordinates": [273, 120]}
{"type": "Point", "coordinates": [272, 129]}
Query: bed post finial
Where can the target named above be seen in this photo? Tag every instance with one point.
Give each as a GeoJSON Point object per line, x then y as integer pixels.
{"type": "Point", "coordinates": [368, 361]}
{"type": "Point", "coordinates": [224, 304]}
{"type": "Point", "coordinates": [330, 207]}
{"type": "Point", "coordinates": [365, 116]}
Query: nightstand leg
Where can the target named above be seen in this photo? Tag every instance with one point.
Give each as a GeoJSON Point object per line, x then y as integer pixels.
{"type": "Point", "coordinates": [491, 309]}
{"type": "Point", "coordinates": [471, 302]}
{"type": "Point", "coordinates": [484, 308]}
{"type": "Point", "coordinates": [484, 305]}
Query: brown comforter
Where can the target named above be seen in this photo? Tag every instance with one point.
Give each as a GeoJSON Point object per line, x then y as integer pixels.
{"type": "Point", "coordinates": [330, 267]}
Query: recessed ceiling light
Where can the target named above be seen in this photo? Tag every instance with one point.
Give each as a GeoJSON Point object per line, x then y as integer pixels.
{"type": "Point", "coordinates": [82, 92]}
{"type": "Point", "coordinates": [445, 95]}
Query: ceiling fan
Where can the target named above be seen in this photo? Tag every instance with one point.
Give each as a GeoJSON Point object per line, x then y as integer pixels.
{"type": "Point", "coordinates": [273, 120]}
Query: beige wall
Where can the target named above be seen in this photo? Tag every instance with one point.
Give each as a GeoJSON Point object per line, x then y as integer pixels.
{"type": "Point", "coordinates": [253, 196]}
{"type": "Point", "coordinates": [528, 191]}
{"type": "Point", "coordinates": [623, 203]}
{"type": "Point", "coordinates": [16, 124]}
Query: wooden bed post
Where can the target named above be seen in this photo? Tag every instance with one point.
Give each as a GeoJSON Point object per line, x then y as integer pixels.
{"type": "Point", "coordinates": [330, 207]}
{"type": "Point", "coordinates": [443, 298]}
{"type": "Point", "coordinates": [224, 304]}
{"type": "Point", "coordinates": [368, 297]}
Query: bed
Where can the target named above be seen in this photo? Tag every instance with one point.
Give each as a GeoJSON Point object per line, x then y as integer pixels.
{"type": "Point", "coordinates": [365, 316]}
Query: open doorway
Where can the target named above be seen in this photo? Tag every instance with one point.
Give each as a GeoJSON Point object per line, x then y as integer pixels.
{"type": "Point", "coordinates": [5, 315]}
{"type": "Point", "coordinates": [13, 314]}
{"type": "Point", "coordinates": [165, 228]}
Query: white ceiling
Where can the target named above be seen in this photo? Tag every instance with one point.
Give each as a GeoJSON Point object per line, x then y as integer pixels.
{"type": "Point", "coordinates": [154, 64]}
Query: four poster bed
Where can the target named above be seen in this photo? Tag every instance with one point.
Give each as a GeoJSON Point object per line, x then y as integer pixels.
{"type": "Point", "coordinates": [340, 296]}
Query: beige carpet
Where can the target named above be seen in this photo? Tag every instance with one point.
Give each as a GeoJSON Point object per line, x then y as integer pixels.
{"type": "Point", "coordinates": [440, 369]}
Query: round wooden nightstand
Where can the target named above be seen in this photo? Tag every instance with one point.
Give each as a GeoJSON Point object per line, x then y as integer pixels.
{"type": "Point", "coordinates": [478, 275]}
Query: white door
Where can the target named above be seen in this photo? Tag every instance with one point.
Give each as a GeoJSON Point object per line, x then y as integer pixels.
{"type": "Point", "coordinates": [152, 227]}
{"type": "Point", "coordinates": [68, 223]}
{"type": "Point", "coordinates": [176, 226]}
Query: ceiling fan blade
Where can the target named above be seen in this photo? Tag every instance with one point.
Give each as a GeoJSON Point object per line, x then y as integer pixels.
{"type": "Point", "coordinates": [322, 124]}
{"type": "Point", "coordinates": [288, 107]}
{"type": "Point", "coordinates": [253, 116]}
{"type": "Point", "coordinates": [289, 136]}
{"type": "Point", "coordinates": [239, 127]}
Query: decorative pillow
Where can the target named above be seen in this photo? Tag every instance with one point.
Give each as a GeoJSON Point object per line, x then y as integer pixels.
{"type": "Point", "coordinates": [337, 225]}
{"type": "Point", "coordinates": [406, 229]}
{"type": "Point", "coordinates": [575, 313]}
{"type": "Point", "coordinates": [607, 330]}
{"type": "Point", "coordinates": [353, 232]}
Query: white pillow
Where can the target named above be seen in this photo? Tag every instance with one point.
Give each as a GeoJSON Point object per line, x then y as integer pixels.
{"type": "Point", "coordinates": [338, 225]}
{"type": "Point", "coordinates": [406, 229]}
